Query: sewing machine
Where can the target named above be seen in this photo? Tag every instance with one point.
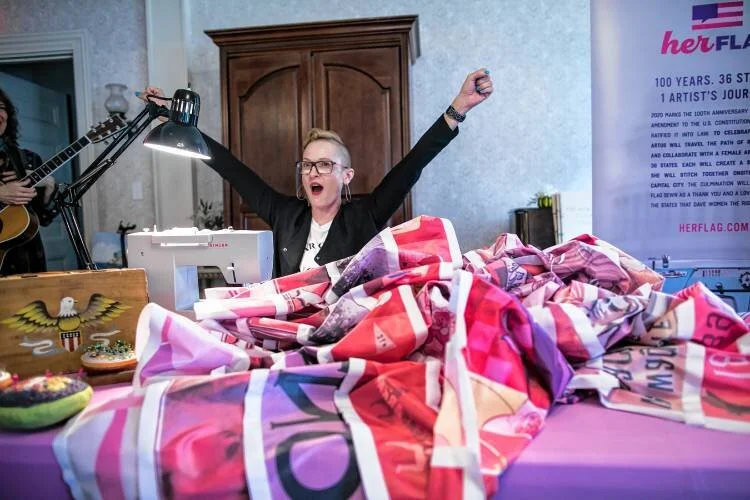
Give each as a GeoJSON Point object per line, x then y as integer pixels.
{"type": "Point", "coordinates": [171, 259]}
{"type": "Point", "coordinates": [729, 280]}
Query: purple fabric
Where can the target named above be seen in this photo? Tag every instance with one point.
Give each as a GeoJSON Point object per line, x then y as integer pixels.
{"type": "Point", "coordinates": [587, 451]}
{"type": "Point", "coordinates": [584, 451]}
{"type": "Point", "coordinates": [28, 468]}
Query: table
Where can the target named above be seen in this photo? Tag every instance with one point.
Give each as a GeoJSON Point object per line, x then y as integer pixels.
{"type": "Point", "coordinates": [584, 452]}
{"type": "Point", "coordinates": [28, 468]}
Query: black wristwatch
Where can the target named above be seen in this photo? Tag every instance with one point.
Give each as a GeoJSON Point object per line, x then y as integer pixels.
{"type": "Point", "coordinates": [451, 111]}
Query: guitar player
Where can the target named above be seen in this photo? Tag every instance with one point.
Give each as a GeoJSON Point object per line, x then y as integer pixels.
{"type": "Point", "coordinates": [26, 256]}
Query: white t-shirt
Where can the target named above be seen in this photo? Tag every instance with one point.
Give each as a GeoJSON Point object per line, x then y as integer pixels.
{"type": "Point", "coordinates": [315, 239]}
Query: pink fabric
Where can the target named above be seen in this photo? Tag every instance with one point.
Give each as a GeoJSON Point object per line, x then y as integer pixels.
{"type": "Point", "coordinates": [634, 456]}
{"type": "Point", "coordinates": [410, 368]}
{"type": "Point", "coordinates": [97, 451]}
{"type": "Point", "coordinates": [196, 453]}
{"type": "Point", "coordinates": [108, 467]}
{"type": "Point", "coordinates": [168, 344]}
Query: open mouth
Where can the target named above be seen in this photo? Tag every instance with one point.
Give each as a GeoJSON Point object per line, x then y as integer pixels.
{"type": "Point", "coordinates": [316, 188]}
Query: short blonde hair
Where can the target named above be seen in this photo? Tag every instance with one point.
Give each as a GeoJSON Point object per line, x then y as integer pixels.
{"type": "Point", "coordinates": [319, 134]}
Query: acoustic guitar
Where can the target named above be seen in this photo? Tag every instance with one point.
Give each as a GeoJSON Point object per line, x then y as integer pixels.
{"type": "Point", "coordinates": [17, 223]}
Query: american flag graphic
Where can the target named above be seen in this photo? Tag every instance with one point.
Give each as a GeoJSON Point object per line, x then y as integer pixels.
{"type": "Point", "coordinates": [717, 15]}
{"type": "Point", "coordinates": [70, 340]}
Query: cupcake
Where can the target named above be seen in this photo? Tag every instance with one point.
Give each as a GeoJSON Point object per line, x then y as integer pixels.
{"type": "Point", "coordinates": [117, 356]}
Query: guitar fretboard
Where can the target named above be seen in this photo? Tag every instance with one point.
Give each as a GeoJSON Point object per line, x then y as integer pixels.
{"type": "Point", "coordinates": [49, 166]}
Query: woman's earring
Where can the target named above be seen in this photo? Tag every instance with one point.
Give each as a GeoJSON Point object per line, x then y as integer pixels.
{"type": "Point", "coordinates": [347, 193]}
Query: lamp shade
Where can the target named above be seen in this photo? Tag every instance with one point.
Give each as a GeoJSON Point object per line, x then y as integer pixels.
{"type": "Point", "coordinates": [182, 140]}
{"type": "Point", "coordinates": [180, 135]}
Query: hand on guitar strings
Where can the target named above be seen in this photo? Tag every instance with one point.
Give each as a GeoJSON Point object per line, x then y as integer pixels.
{"type": "Point", "coordinates": [13, 191]}
{"type": "Point", "coordinates": [48, 183]}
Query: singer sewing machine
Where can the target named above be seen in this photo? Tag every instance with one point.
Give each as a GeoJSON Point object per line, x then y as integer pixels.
{"type": "Point", "coordinates": [729, 280]}
{"type": "Point", "coordinates": [171, 259]}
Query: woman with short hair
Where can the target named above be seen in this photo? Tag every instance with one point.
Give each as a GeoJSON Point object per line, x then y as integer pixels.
{"type": "Point", "coordinates": [322, 223]}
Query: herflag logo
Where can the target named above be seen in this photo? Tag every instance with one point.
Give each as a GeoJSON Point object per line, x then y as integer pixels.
{"type": "Point", "coordinates": [717, 15]}
{"type": "Point", "coordinates": [708, 16]}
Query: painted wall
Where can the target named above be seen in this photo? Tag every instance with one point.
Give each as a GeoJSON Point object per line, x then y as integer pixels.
{"type": "Point", "coordinates": [535, 130]}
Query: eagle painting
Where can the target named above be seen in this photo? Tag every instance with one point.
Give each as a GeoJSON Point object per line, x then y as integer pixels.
{"type": "Point", "coordinates": [34, 318]}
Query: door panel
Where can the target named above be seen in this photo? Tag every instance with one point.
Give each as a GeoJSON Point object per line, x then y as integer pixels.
{"type": "Point", "coordinates": [268, 113]}
{"type": "Point", "coordinates": [252, 221]}
{"type": "Point", "coordinates": [357, 94]}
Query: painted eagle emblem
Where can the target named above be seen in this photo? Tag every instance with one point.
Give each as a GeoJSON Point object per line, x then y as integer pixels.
{"type": "Point", "coordinates": [34, 317]}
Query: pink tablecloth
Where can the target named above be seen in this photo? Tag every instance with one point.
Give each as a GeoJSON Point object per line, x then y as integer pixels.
{"type": "Point", "coordinates": [584, 451]}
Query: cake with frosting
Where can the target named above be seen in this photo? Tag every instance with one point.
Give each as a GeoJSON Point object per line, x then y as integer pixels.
{"type": "Point", "coordinates": [113, 357]}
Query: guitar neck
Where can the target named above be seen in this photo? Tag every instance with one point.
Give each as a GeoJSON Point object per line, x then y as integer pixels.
{"type": "Point", "coordinates": [48, 167]}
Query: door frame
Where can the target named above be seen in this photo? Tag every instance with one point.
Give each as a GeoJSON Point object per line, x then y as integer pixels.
{"type": "Point", "coordinates": [55, 45]}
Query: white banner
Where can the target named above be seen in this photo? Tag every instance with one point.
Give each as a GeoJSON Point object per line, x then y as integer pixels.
{"type": "Point", "coordinates": [671, 127]}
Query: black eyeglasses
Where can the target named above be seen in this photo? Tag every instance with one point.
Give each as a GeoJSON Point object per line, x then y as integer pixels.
{"type": "Point", "coordinates": [322, 166]}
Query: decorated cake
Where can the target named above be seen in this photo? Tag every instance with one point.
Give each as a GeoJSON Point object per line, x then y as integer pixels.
{"type": "Point", "coordinates": [42, 401]}
{"type": "Point", "coordinates": [116, 356]}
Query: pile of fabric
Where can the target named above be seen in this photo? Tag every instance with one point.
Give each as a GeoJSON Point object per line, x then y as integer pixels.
{"type": "Point", "coordinates": [408, 370]}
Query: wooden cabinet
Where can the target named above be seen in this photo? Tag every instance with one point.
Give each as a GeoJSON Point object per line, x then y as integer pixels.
{"type": "Point", "coordinates": [349, 76]}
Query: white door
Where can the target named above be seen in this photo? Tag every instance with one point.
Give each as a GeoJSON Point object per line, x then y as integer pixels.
{"type": "Point", "coordinates": [43, 121]}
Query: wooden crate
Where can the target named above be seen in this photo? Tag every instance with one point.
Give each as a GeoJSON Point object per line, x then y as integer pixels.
{"type": "Point", "coordinates": [48, 319]}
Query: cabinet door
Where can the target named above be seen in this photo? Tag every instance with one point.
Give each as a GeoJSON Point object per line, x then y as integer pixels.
{"type": "Point", "coordinates": [358, 93]}
{"type": "Point", "coordinates": [268, 104]}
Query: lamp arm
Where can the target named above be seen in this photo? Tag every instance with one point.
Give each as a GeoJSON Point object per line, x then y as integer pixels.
{"type": "Point", "coordinates": [73, 193]}
{"type": "Point", "coordinates": [68, 196]}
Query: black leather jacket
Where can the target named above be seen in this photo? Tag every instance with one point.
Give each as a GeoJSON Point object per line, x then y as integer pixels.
{"type": "Point", "coordinates": [355, 223]}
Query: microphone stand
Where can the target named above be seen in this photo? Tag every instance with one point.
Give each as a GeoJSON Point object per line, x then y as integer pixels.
{"type": "Point", "coordinates": [69, 196]}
